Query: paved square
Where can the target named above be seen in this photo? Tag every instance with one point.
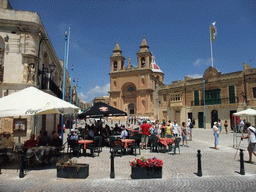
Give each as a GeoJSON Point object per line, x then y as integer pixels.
{"type": "Point", "coordinates": [220, 171]}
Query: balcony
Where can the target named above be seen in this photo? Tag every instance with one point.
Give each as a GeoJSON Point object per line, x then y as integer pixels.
{"type": "Point", "coordinates": [50, 85]}
{"type": "Point", "coordinates": [216, 101]}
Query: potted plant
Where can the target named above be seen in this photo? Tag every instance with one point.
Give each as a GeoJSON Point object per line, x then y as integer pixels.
{"type": "Point", "coordinates": [71, 169]}
{"type": "Point", "coordinates": [146, 168]}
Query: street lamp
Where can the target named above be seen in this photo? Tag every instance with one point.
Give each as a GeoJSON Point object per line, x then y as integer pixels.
{"type": "Point", "coordinates": [52, 67]}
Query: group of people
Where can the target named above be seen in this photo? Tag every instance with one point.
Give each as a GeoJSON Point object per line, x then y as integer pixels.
{"type": "Point", "coordinates": [132, 120]}
{"type": "Point", "coordinates": [43, 140]}
{"type": "Point", "coordinates": [166, 129]}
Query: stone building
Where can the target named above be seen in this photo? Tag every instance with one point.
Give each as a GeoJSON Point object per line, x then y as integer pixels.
{"type": "Point", "coordinates": [140, 91]}
{"type": "Point", "coordinates": [27, 58]}
{"type": "Point", "coordinates": [133, 89]}
{"type": "Point", "coordinates": [104, 99]}
{"type": "Point", "coordinates": [225, 94]}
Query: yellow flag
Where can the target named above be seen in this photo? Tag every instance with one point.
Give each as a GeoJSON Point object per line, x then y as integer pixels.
{"type": "Point", "coordinates": [213, 31]}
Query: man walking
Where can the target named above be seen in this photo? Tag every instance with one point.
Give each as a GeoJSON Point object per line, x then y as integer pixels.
{"type": "Point", "coordinates": [145, 132]}
{"type": "Point", "coordinates": [251, 133]}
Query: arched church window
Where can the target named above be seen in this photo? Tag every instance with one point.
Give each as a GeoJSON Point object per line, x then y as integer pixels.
{"type": "Point", "coordinates": [115, 66]}
{"type": "Point", "coordinates": [143, 62]}
{"type": "Point", "coordinates": [131, 89]}
{"type": "Point", "coordinates": [114, 104]}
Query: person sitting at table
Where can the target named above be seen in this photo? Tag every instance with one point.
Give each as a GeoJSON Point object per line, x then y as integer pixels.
{"type": "Point", "coordinates": [116, 130]}
{"type": "Point", "coordinates": [91, 134]}
{"type": "Point", "coordinates": [151, 129]}
{"type": "Point", "coordinates": [7, 140]}
{"type": "Point", "coordinates": [44, 140]}
{"type": "Point", "coordinates": [40, 135]}
{"type": "Point", "coordinates": [8, 143]}
{"type": "Point", "coordinates": [56, 141]}
{"type": "Point", "coordinates": [72, 135]}
{"type": "Point", "coordinates": [31, 142]}
{"type": "Point", "coordinates": [124, 133]}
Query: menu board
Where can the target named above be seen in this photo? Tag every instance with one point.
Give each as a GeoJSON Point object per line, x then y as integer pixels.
{"type": "Point", "coordinates": [7, 124]}
{"type": "Point", "coordinates": [19, 127]}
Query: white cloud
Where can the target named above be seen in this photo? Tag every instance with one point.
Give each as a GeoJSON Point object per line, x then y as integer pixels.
{"type": "Point", "coordinates": [200, 62]}
{"type": "Point", "coordinates": [99, 90]}
{"type": "Point", "coordinates": [82, 96]}
{"type": "Point", "coordinates": [196, 76]}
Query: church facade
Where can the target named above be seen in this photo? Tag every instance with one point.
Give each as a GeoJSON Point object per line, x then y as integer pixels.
{"type": "Point", "coordinates": [133, 89]}
{"type": "Point", "coordinates": [140, 91]}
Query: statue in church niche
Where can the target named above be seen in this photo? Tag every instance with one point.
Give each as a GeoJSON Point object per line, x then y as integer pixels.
{"type": "Point", "coordinates": [129, 63]}
{"type": "Point", "coordinates": [25, 73]}
{"type": "Point", "coordinates": [32, 72]}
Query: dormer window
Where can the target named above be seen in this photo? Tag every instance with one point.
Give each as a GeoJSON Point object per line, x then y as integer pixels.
{"type": "Point", "coordinates": [143, 62]}
{"type": "Point", "coordinates": [115, 66]}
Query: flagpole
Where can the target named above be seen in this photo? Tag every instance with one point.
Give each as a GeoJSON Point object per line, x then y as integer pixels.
{"type": "Point", "coordinates": [211, 46]}
{"type": "Point", "coordinates": [68, 46]}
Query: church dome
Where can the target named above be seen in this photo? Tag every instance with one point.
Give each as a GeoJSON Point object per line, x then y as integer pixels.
{"type": "Point", "coordinates": [154, 66]}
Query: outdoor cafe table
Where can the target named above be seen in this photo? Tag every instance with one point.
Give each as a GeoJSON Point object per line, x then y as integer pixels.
{"type": "Point", "coordinates": [165, 141]}
{"type": "Point", "coordinates": [85, 142]}
{"type": "Point", "coordinates": [127, 141]}
{"type": "Point", "coordinates": [41, 152]}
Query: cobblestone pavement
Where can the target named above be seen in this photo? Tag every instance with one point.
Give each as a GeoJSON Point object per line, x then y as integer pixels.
{"type": "Point", "coordinates": [220, 171]}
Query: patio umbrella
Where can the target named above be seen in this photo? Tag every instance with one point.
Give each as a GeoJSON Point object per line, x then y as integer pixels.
{"type": "Point", "coordinates": [32, 101]}
{"type": "Point", "coordinates": [247, 112]}
{"type": "Point", "coordinates": [101, 109]}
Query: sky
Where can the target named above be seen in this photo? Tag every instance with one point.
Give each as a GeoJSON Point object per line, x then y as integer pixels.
{"type": "Point", "coordinates": [177, 33]}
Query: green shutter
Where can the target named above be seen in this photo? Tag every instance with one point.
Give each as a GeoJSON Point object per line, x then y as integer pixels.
{"type": "Point", "coordinates": [232, 96]}
{"type": "Point", "coordinates": [196, 97]}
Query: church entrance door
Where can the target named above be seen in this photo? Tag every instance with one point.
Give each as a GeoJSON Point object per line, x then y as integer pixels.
{"type": "Point", "coordinates": [131, 109]}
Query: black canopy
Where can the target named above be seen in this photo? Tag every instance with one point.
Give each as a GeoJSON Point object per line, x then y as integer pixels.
{"type": "Point", "coordinates": [101, 109]}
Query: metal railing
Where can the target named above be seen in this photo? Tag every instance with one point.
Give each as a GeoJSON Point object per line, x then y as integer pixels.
{"type": "Point", "coordinates": [49, 84]}
{"type": "Point", "coordinates": [216, 101]}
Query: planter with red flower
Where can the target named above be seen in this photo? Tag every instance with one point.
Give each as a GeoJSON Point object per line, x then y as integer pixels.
{"type": "Point", "coordinates": [146, 168]}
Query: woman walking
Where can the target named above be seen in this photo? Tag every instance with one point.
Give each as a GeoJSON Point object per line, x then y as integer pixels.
{"type": "Point", "coordinates": [184, 133]}
{"type": "Point", "coordinates": [168, 129]}
{"type": "Point", "coordinates": [157, 129]}
{"type": "Point", "coordinates": [216, 135]}
{"type": "Point", "coordinates": [163, 129]}
{"type": "Point", "coordinates": [219, 125]}
{"type": "Point", "coordinates": [226, 126]}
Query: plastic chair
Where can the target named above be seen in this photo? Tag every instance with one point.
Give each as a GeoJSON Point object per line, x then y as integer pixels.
{"type": "Point", "coordinates": [96, 146]}
{"type": "Point", "coordinates": [73, 147]}
{"type": "Point", "coordinates": [116, 146]}
{"type": "Point", "coordinates": [135, 145]}
{"type": "Point", "coordinates": [154, 143]}
{"type": "Point", "coordinates": [177, 145]}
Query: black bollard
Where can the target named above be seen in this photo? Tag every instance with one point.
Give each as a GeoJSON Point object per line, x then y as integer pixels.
{"type": "Point", "coordinates": [199, 165]}
{"type": "Point", "coordinates": [242, 171]}
{"type": "Point", "coordinates": [21, 175]}
{"type": "Point", "coordinates": [112, 169]}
